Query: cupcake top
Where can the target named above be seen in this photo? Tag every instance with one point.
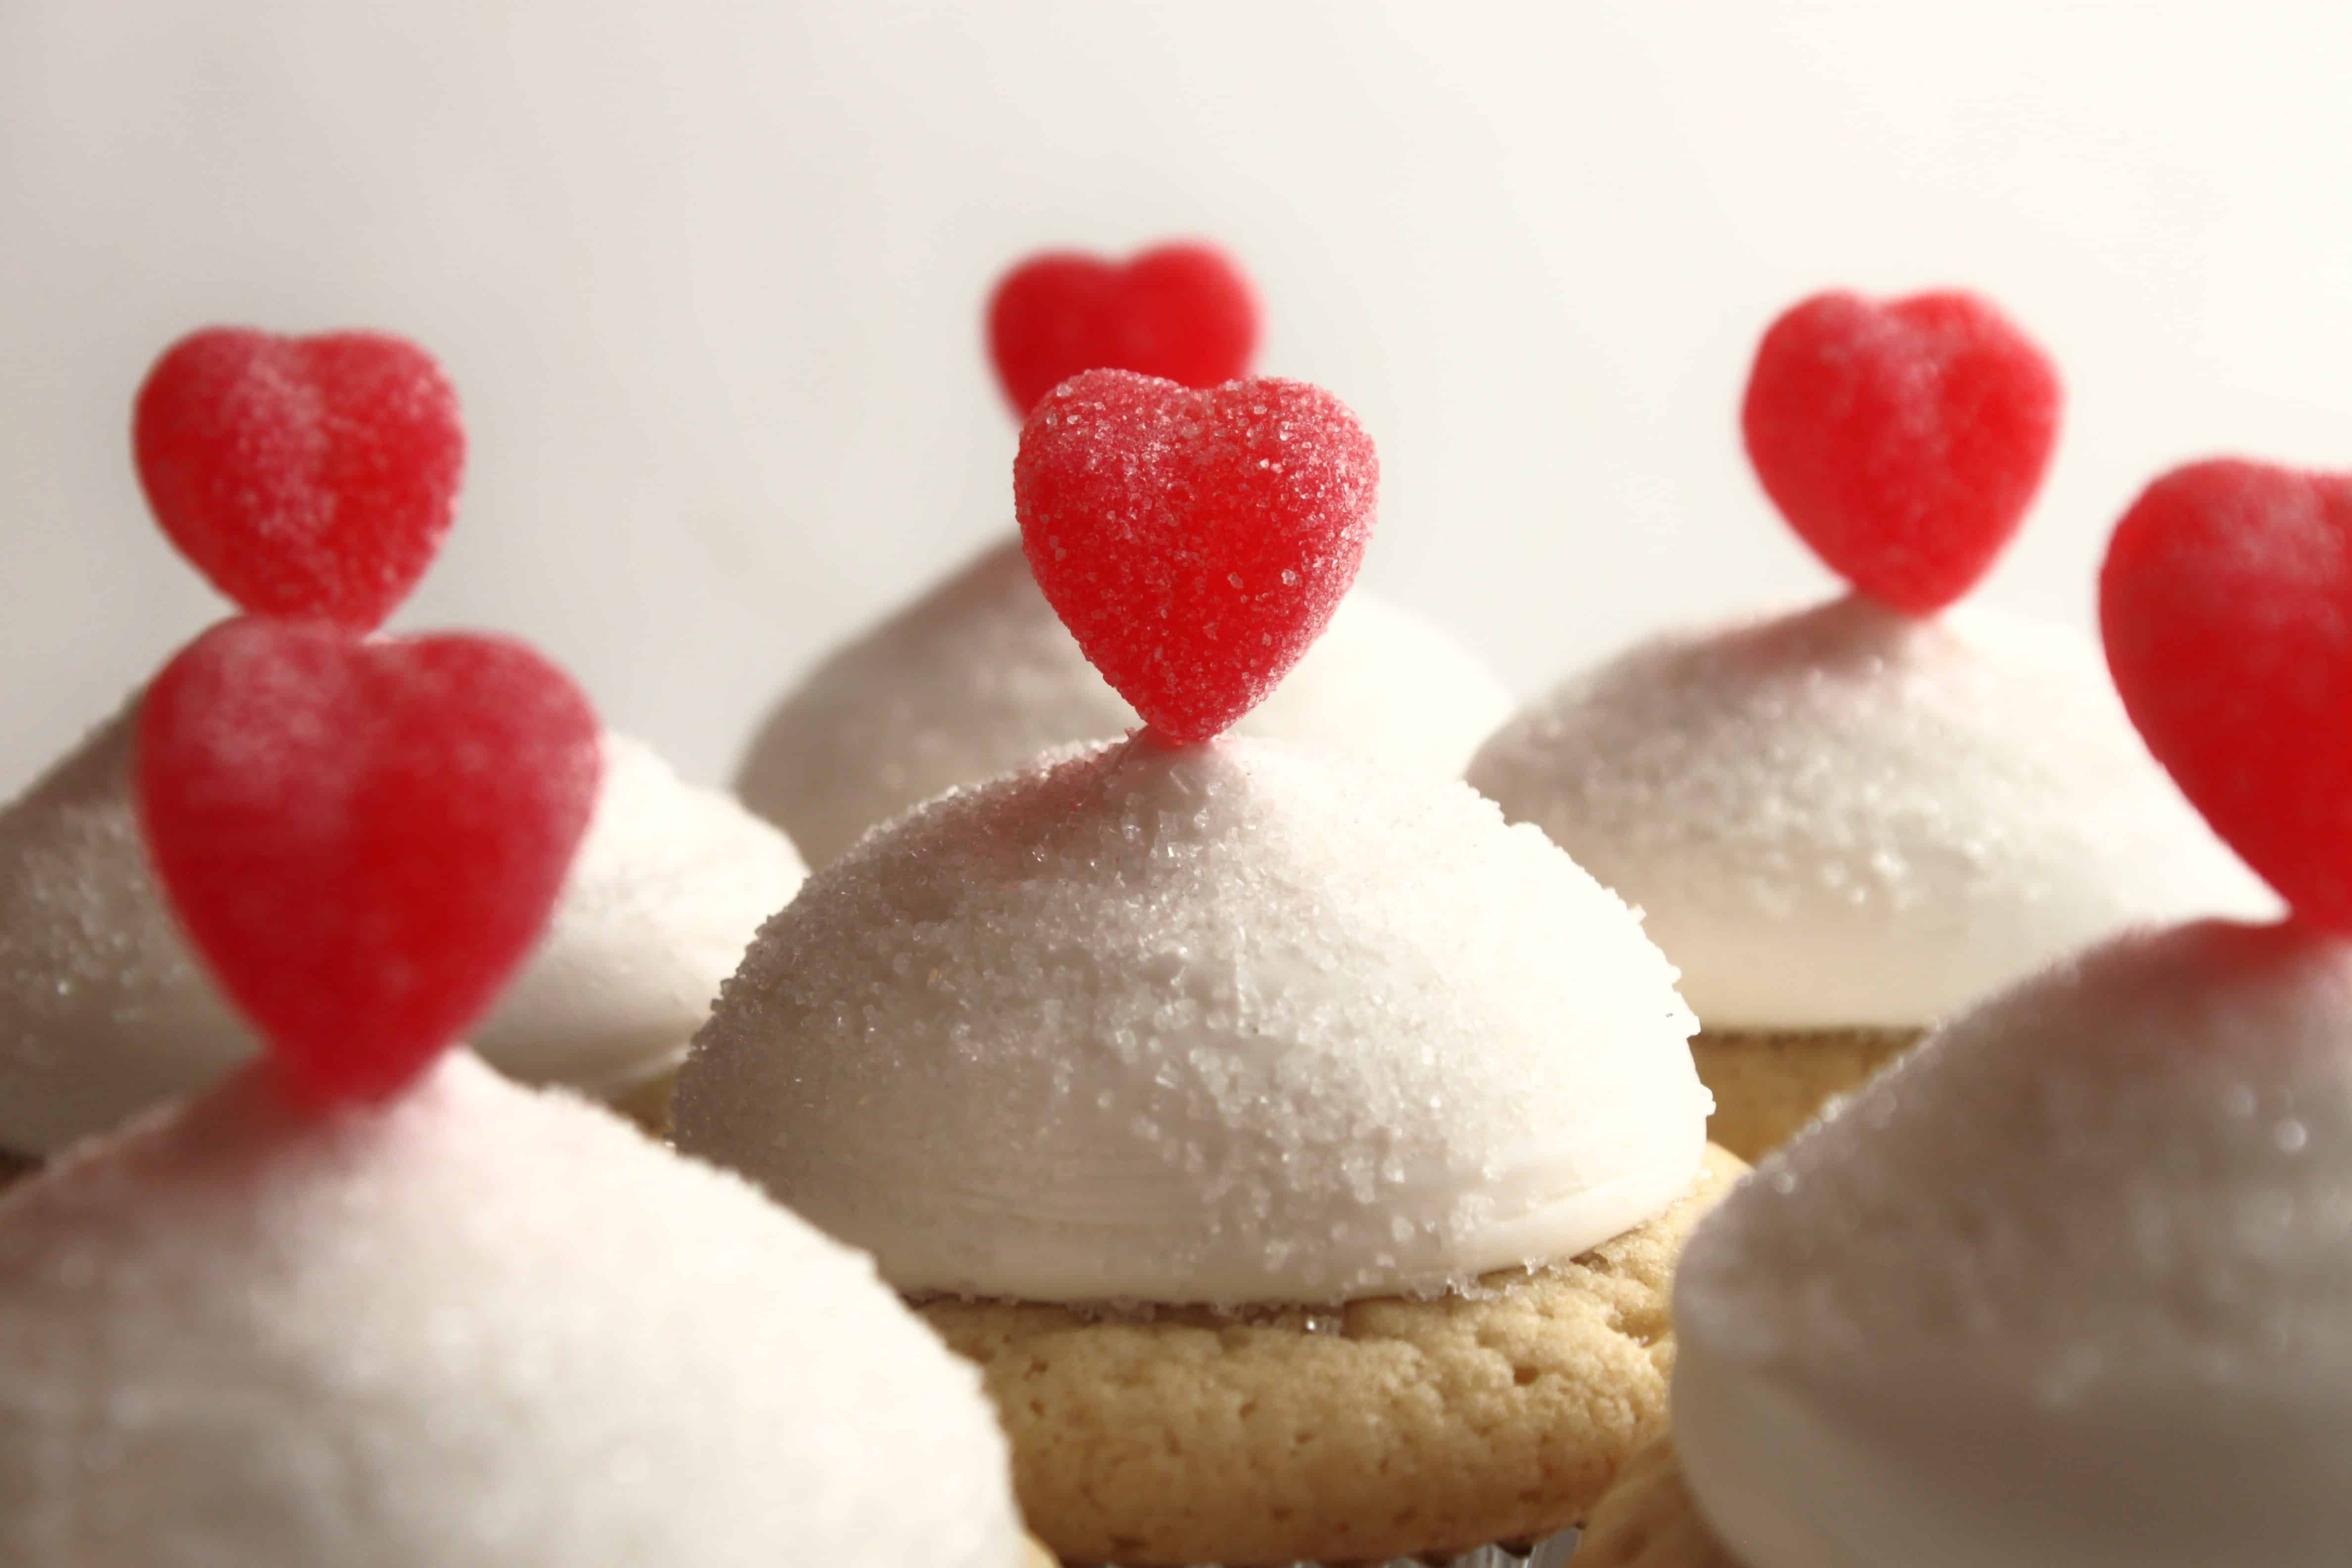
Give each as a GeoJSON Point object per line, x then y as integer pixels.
{"type": "Point", "coordinates": [1854, 816]}
{"type": "Point", "coordinates": [1223, 1023]}
{"type": "Point", "coordinates": [369, 1302]}
{"type": "Point", "coordinates": [979, 675]}
{"type": "Point", "coordinates": [312, 478]}
{"type": "Point", "coordinates": [472, 1322]}
{"type": "Point", "coordinates": [1866, 813]}
{"type": "Point", "coordinates": [2067, 1285]}
{"type": "Point", "coordinates": [1190, 1019]}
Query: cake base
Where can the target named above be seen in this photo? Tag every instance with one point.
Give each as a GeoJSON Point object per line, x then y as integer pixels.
{"type": "Point", "coordinates": [1768, 1083]}
{"type": "Point", "coordinates": [647, 1103]}
{"type": "Point", "coordinates": [1381, 1428]}
{"type": "Point", "coordinates": [1648, 1520]}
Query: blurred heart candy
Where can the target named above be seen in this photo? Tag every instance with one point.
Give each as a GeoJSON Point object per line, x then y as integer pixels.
{"type": "Point", "coordinates": [1184, 312]}
{"type": "Point", "coordinates": [1903, 441]}
{"type": "Point", "coordinates": [2226, 605]}
{"type": "Point", "coordinates": [306, 477]}
{"type": "Point", "coordinates": [363, 839]}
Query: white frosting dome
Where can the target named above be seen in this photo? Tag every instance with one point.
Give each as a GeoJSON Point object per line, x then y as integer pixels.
{"type": "Point", "coordinates": [1220, 1023]}
{"type": "Point", "coordinates": [103, 1011]}
{"type": "Point", "coordinates": [1850, 817]}
{"type": "Point", "coordinates": [2072, 1285]}
{"type": "Point", "coordinates": [979, 676]}
{"type": "Point", "coordinates": [484, 1326]}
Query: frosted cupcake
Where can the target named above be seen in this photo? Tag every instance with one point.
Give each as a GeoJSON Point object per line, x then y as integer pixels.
{"type": "Point", "coordinates": [367, 1302]}
{"type": "Point", "coordinates": [2073, 1284]}
{"type": "Point", "coordinates": [1845, 823]}
{"type": "Point", "coordinates": [979, 675]}
{"type": "Point", "coordinates": [314, 477]}
{"type": "Point", "coordinates": [1300, 1152]}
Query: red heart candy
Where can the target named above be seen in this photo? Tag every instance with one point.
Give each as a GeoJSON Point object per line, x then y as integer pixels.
{"type": "Point", "coordinates": [361, 839]}
{"type": "Point", "coordinates": [2226, 604]}
{"type": "Point", "coordinates": [1901, 441]}
{"type": "Point", "coordinates": [1182, 311]}
{"type": "Point", "coordinates": [306, 477]}
{"type": "Point", "coordinates": [1194, 542]}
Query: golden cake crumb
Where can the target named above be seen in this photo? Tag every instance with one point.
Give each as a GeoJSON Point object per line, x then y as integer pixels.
{"type": "Point", "coordinates": [1385, 1427]}
{"type": "Point", "coordinates": [1768, 1083]}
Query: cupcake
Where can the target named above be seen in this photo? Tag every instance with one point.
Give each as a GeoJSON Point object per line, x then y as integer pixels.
{"type": "Point", "coordinates": [2069, 1284]}
{"type": "Point", "coordinates": [1301, 1153]}
{"type": "Point", "coordinates": [314, 478]}
{"type": "Point", "coordinates": [978, 675]}
{"type": "Point", "coordinates": [1844, 822]}
{"type": "Point", "coordinates": [366, 1301]}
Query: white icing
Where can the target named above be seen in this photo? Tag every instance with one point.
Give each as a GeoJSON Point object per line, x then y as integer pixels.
{"type": "Point", "coordinates": [480, 1325]}
{"type": "Point", "coordinates": [1849, 817]}
{"type": "Point", "coordinates": [1223, 1023]}
{"type": "Point", "coordinates": [979, 676]}
{"type": "Point", "coordinates": [2071, 1286]}
{"type": "Point", "coordinates": [103, 1011]}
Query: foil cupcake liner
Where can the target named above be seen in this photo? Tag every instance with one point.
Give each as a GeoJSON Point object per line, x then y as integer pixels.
{"type": "Point", "coordinates": [1551, 1552]}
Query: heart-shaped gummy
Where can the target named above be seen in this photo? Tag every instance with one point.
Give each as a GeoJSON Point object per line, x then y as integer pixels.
{"type": "Point", "coordinates": [1903, 441]}
{"type": "Point", "coordinates": [1194, 542]}
{"type": "Point", "coordinates": [1184, 312]}
{"type": "Point", "coordinates": [361, 839]}
{"type": "Point", "coordinates": [306, 477]}
{"type": "Point", "coordinates": [2226, 605]}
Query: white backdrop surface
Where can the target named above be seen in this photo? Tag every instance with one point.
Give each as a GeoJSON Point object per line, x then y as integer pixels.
{"type": "Point", "coordinates": [708, 276]}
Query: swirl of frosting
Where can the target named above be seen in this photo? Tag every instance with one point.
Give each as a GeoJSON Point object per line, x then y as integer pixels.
{"type": "Point", "coordinates": [979, 675]}
{"type": "Point", "coordinates": [2067, 1285]}
{"type": "Point", "coordinates": [1219, 1023]}
{"type": "Point", "coordinates": [1850, 817]}
{"type": "Point", "coordinates": [104, 1013]}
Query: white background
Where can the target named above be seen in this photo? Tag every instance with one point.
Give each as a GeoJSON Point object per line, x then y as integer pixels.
{"type": "Point", "coordinates": [708, 276]}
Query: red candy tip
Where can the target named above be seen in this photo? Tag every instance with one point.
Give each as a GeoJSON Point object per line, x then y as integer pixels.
{"type": "Point", "coordinates": [2225, 602]}
{"type": "Point", "coordinates": [1194, 542]}
{"type": "Point", "coordinates": [361, 839]}
{"type": "Point", "coordinates": [1903, 441]}
{"type": "Point", "coordinates": [1183, 312]}
{"type": "Point", "coordinates": [312, 477]}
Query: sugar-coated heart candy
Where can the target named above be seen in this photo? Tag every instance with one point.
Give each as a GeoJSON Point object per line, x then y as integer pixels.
{"type": "Point", "coordinates": [1184, 312]}
{"type": "Point", "coordinates": [2226, 605]}
{"type": "Point", "coordinates": [361, 839]}
{"type": "Point", "coordinates": [1903, 441]}
{"type": "Point", "coordinates": [306, 477]}
{"type": "Point", "coordinates": [1196, 542]}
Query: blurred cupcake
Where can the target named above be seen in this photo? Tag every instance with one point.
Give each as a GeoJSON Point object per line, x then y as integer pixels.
{"type": "Point", "coordinates": [1845, 823]}
{"type": "Point", "coordinates": [978, 675]}
{"type": "Point", "coordinates": [2066, 1285]}
{"type": "Point", "coordinates": [278, 467]}
{"type": "Point", "coordinates": [2069, 1285]}
{"type": "Point", "coordinates": [366, 1303]}
{"type": "Point", "coordinates": [1301, 1153]}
